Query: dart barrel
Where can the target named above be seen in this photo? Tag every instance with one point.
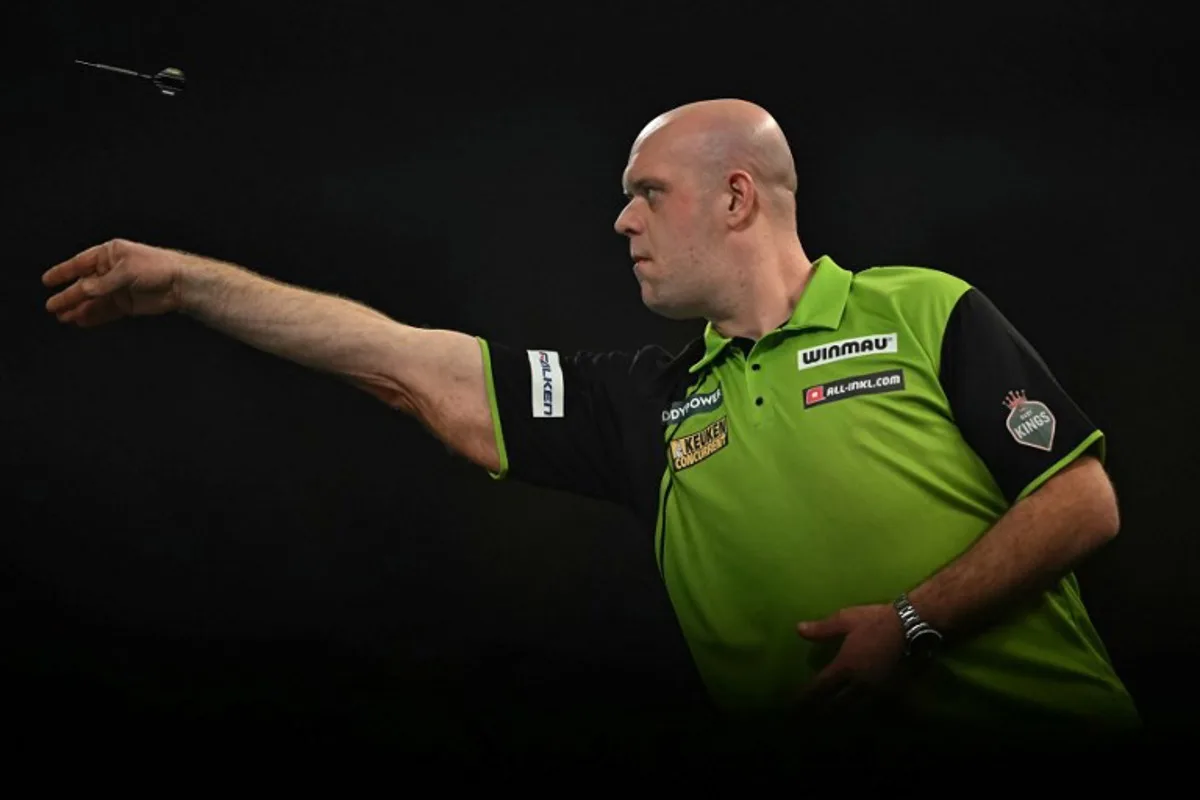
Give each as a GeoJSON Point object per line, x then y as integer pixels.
{"type": "Point", "coordinates": [169, 81]}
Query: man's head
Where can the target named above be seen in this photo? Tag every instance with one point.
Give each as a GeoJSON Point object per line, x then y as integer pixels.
{"type": "Point", "coordinates": [710, 185]}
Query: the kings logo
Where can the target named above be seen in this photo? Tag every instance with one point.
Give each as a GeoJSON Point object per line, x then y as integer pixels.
{"type": "Point", "coordinates": [1030, 422]}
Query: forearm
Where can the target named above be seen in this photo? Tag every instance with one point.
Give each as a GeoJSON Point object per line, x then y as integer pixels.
{"type": "Point", "coordinates": [316, 330]}
{"type": "Point", "coordinates": [1026, 551]}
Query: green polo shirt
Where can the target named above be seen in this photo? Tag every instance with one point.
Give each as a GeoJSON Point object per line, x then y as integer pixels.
{"type": "Point", "coordinates": [840, 460]}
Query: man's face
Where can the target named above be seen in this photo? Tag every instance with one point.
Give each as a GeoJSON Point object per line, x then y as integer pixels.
{"type": "Point", "coordinates": [669, 223]}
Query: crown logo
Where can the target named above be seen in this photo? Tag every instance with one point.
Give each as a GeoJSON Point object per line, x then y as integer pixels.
{"type": "Point", "coordinates": [1015, 399]}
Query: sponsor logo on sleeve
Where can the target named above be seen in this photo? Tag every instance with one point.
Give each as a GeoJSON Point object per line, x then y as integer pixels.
{"type": "Point", "coordinates": [891, 380]}
{"type": "Point", "coordinates": [688, 451]}
{"type": "Point", "coordinates": [1030, 422]}
{"type": "Point", "coordinates": [846, 348]}
{"type": "Point", "coordinates": [546, 383]}
{"type": "Point", "coordinates": [697, 404]}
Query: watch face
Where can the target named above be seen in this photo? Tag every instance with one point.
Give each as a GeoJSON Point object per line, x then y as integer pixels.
{"type": "Point", "coordinates": [924, 644]}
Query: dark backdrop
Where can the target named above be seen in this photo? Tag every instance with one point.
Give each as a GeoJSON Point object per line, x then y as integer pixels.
{"type": "Point", "coordinates": [201, 542]}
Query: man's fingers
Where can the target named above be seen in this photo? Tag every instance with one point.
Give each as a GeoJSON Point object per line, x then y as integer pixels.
{"type": "Point", "coordinates": [828, 683]}
{"type": "Point", "coordinates": [86, 288]}
{"type": "Point", "coordinates": [838, 694]}
{"type": "Point", "coordinates": [80, 291]}
{"type": "Point", "coordinates": [67, 299]}
{"type": "Point", "coordinates": [74, 313]}
{"type": "Point", "coordinates": [824, 629]}
{"type": "Point", "coordinates": [81, 269]}
{"type": "Point", "coordinates": [90, 313]}
{"type": "Point", "coordinates": [75, 267]}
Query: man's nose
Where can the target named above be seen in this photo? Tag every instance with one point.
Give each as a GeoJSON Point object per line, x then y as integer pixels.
{"type": "Point", "coordinates": [625, 223]}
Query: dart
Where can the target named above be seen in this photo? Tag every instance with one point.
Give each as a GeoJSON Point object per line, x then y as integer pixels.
{"type": "Point", "coordinates": [169, 81]}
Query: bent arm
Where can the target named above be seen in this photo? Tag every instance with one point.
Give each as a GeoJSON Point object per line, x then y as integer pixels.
{"type": "Point", "coordinates": [436, 376]}
{"type": "Point", "coordinates": [1060, 502]}
{"type": "Point", "coordinates": [1040, 539]}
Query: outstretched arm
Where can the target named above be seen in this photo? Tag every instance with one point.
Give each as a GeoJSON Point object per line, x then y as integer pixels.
{"type": "Point", "coordinates": [436, 376]}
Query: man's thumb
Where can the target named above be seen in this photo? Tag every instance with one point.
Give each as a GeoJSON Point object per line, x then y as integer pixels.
{"type": "Point", "coordinates": [819, 630]}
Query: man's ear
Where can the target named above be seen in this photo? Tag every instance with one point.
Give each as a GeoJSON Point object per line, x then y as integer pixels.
{"type": "Point", "coordinates": [743, 197]}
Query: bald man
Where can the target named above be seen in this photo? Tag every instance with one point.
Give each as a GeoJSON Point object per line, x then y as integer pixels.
{"type": "Point", "coordinates": [845, 501]}
{"type": "Point", "coordinates": [712, 218]}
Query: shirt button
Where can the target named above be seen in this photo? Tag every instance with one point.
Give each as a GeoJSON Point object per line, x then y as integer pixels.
{"type": "Point", "coordinates": [755, 367]}
{"type": "Point", "coordinates": [758, 402]}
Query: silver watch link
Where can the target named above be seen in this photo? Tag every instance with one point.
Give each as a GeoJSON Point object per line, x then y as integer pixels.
{"type": "Point", "coordinates": [920, 638]}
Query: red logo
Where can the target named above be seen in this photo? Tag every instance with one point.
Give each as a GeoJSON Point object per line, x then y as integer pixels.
{"type": "Point", "coordinates": [815, 395]}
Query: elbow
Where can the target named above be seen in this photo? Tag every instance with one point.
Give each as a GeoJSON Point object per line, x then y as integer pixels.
{"type": "Point", "coordinates": [1105, 514]}
{"type": "Point", "coordinates": [1108, 522]}
{"type": "Point", "coordinates": [1103, 525]}
{"type": "Point", "coordinates": [1092, 502]}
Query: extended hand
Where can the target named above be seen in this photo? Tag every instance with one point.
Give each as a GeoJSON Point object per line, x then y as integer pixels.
{"type": "Point", "coordinates": [115, 279]}
{"type": "Point", "coordinates": [871, 651]}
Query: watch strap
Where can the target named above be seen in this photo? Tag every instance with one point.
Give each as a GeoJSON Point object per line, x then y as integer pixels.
{"type": "Point", "coordinates": [914, 627]}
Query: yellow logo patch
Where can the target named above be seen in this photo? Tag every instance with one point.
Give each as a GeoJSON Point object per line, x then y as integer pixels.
{"type": "Point", "coordinates": [688, 451]}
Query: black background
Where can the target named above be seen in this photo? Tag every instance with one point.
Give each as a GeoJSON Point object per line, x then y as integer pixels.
{"type": "Point", "coordinates": [201, 543]}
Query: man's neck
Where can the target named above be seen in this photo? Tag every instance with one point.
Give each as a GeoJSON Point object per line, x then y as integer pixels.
{"type": "Point", "coordinates": [765, 297]}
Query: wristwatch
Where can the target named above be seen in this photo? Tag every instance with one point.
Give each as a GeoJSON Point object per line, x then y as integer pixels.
{"type": "Point", "coordinates": [921, 639]}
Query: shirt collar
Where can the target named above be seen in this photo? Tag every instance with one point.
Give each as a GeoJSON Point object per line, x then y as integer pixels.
{"type": "Point", "coordinates": [820, 307]}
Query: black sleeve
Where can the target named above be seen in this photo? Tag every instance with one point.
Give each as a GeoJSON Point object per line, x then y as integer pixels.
{"type": "Point", "coordinates": [566, 421]}
{"type": "Point", "coordinates": [1007, 404]}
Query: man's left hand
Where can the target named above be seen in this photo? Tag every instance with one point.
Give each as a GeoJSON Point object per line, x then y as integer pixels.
{"type": "Point", "coordinates": [871, 651]}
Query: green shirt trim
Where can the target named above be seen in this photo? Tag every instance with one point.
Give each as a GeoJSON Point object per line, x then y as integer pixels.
{"type": "Point", "coordinates": [494, 409]}
{"type": "Point", "coordinates": [1096, 438]}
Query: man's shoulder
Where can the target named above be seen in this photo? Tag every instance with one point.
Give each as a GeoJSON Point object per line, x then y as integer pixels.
{"type": "Point", "coordinates": [660, 366]}
{"type": "Point", "coordinates": [923, 298]}
{"type": "Point", "coordinates": [649, 364]}
{"type": "Point", "coordinates": [904, 283]}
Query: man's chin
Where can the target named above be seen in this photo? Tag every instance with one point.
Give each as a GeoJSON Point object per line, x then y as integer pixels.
{"type": "Point", "coordinates": [678, 313]}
